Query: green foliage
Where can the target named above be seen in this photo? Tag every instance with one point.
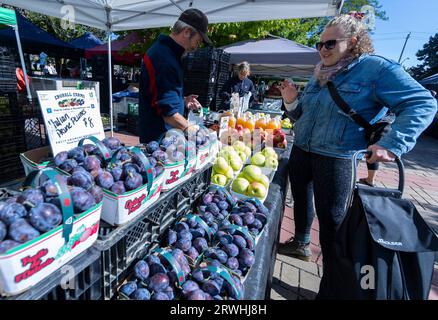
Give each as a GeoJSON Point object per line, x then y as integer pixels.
{"type": "Point", "coordinates": [428, 56]}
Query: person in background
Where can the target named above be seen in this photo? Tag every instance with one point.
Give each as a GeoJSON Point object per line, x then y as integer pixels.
{"type": "Point", "coordinates": [161, 100]}
{"type": "Point", "coordinates": [21, 83]}
{"type": "Point", "coordinates": [42, 61]}
{"type": "Point", "coordinates": [326, 138]}
{"type": "Point", "coordinates": [240, 83]}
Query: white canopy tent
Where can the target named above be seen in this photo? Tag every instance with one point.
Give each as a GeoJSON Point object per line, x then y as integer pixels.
{"type": "Point", "coordinates": [118, 15]}
{"type": "Point", "coordinates": [275, 56]}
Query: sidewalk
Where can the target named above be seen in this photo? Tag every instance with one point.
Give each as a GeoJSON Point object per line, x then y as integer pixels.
{"type": "Point", "coordinates": [298, 280]}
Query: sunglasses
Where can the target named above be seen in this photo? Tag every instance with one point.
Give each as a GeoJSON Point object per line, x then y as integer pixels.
{"type": "Point", "coordinates": [329, 44]}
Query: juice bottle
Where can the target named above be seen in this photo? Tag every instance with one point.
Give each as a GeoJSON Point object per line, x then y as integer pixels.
{"type": "Point", "coordinates": [260, 123]}
{"type": "Point", "coordinates": [240, 121]}
{"type": "Point", "coordinates": [249, 124]}
{"type": "Point", "coordinates": [231, 122]}
{"type": "Point", "coordinates": [272, 124]}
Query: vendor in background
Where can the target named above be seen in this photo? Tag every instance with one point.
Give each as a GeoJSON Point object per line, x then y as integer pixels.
{"type": "Point", "coordinates": [240, 83]}
{"type": "Point", "coordinates": [161, 100]}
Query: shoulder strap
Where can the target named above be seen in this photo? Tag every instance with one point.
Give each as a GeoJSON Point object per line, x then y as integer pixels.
{"type": "Point", "coordinates": [345, 107]}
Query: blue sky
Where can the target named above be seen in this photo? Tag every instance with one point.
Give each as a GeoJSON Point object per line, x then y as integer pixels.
{"type": "Point", "coordinates": [418, 16]}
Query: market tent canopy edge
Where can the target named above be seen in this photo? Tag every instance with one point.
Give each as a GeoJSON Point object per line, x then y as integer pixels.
{"type": "Point", "coordinates": [117, 15]}
{"type": "Point", "coordinates": [7, 17]}
{"type": "Point", "coordinates": [86, 41]}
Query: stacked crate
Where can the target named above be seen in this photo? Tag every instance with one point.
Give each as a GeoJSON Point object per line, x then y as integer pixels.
{"type": "Point", "coordinates": [12, 133]}
{"type": "Point", "coordinates": [205, 72]}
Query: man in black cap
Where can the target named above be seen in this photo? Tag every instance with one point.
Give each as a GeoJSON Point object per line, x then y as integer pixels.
{"type": "Point", "coordinates": [161, 101]}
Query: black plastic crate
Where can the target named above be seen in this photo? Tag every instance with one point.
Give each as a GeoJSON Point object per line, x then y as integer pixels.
{"type": "Point", "coordinates": [118, 255]}
{"type": "Point", "coordinates": [86, 283]}
{"type": "Point", "coordinates": [132, 124]}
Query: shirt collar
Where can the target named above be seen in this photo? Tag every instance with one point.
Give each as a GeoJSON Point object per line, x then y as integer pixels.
{"type": "Point", "coordinates": [175, 47]}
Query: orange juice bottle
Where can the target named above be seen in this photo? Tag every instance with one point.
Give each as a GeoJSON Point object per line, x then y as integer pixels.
{"type": "Point", "coordinates": [271, 124]}
{"type": "Point", "coordinates": [231, 122]}
{"type": "Point", "coordinates": [240, 121]}
{"type": "Point", "coordinates": [249, 124]}
{"type": "Point", "coordinates": [260, 123]}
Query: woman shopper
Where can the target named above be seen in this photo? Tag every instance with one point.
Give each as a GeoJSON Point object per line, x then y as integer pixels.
{"type": "Point", "coordinates": [326, 137]}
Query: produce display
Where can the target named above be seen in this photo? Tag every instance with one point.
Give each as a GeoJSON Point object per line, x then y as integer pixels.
{"type": "Point", "coordinates": [125, 172]}
{"type": "Point", "coordinates": [202, 256]}
{"type": "Point", "coordinates": [37, 210]}
{"type": "Point", "coordinates": [267, 158]}
{"type": "Point", "coordinates": [251, 182]}
{"type": "Point", "coordinates": [229, 160]}
{"type": "Point", "coordinates": [278, 137]}
{"type": "Point", "coordinates": [155, 277]}
{"type": "Point", "coordinates": [286, 124]}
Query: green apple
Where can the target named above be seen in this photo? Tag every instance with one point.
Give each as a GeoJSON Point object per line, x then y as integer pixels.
{"type": "Point", "coordinates": [269, 152]}
{"type": "Point", "coordinates": [242, 155]}
{"type": "Point", "coordinates": [257, 190]}
{"type": "Point", "coordinates": [221, 165]}
{"type": "Point", "coordinates": [271, 162]}
{"type": "Point", "coordinates": [252, 172]}
{"type": "Point", "coordinates": [258, 159]}
{"type": "Point", "coordinates": [240, 185]}
{"type": "Point", "coordinates": [247, 151]}
{"type": "Point", "coordinates": [219, 179]}
{"type": "Point", "coordinates": [236, 163]}
{"type": "Point", "coordinates": [239, 145]}
{"type": "Point", "coordinates": [230, 173]}
{"type": "Point", "coordinates": [264, 180]}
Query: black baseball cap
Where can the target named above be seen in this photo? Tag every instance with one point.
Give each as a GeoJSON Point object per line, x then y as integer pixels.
{"type": "Point", "coordinates": [198, 20]}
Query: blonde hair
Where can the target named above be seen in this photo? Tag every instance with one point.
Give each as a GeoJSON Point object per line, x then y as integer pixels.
{"type": "Point", "coordinates": [354, 27]}
{"type": "Point", "coordinates": [243, 67]}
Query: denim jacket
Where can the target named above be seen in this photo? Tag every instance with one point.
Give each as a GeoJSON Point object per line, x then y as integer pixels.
{"type": "Point", "coordinates": [368, 84]}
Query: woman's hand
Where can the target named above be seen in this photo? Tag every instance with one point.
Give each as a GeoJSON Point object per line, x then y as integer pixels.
{"type": "Point", "coordinates": [288, 91]}
{"type": "Point", "coordinates": [379, 154]}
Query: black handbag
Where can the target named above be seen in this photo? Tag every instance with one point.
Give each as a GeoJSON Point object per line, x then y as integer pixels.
{"type": "Point", "coordinates": [373, 132]}
{"type": "Point", "coordinates": [384, 250]}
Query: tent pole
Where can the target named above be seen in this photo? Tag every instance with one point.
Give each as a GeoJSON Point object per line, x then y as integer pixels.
{"type": "Point", "coordinates": [110, 82]}
{"type": "Point", "coordinates": [23, 65]}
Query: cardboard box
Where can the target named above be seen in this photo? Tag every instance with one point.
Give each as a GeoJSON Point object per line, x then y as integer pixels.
{"type": "Point", "coordinates": [120, 209]}
{"type": "Point", "coordinates": [31, 159]}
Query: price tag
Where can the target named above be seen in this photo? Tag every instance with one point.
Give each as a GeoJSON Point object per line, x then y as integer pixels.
{"type": "Point", "coordinates": [223, 126]}
{"type": "Point", "coordinates": [69, 116]}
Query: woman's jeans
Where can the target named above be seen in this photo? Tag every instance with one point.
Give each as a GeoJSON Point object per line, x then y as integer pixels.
{"type": "Point", "coordinates": [328, 179]}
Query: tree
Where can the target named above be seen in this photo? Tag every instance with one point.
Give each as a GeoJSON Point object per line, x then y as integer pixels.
{"type": "Point", "coordinates": [429, 57]}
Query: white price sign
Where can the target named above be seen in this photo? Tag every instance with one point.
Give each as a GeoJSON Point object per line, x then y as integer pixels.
{"type": "Point", "coordinates": [223, 125]}
{"type": "Point", "coordinates": [70, 115]}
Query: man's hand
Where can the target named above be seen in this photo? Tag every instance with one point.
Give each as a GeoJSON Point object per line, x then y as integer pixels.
{"type": "Point", "coordinates": [191, 102]}
{"type": "Point", "coordinates": [288, 91]}
{"type": "Point", "coordinates": [379, 154]}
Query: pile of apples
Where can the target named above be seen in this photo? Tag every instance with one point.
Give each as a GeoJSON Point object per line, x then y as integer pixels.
{"type": "Point", "coordinates": [278, 138]}
{"type": "Point", "coordinates": [286, 124]}
{"type": "Point", "coordinates": [229, 160]}
{"type": "Point", "coordinates": [267, 158]}
{"type": "Point", "coordinates": [251, 182]}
